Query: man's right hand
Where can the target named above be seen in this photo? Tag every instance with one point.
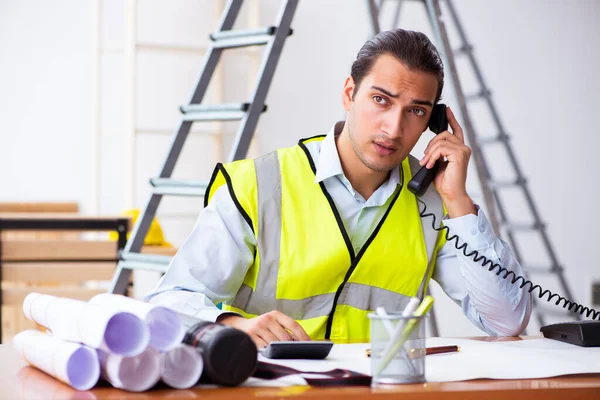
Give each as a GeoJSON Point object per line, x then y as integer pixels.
{"type": "Point", "coordinates": [270, 327]}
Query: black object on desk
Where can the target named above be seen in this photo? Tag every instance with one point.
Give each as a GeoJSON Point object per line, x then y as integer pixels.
{"type": "Point", "coordinates": [229, 354]}
{"type": "Point", "coordinates": [582, 333]}
{"type": "Point", "coordinates": [311, 350]}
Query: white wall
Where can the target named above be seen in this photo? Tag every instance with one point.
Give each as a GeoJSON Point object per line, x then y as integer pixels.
{"type": "Point", "coordinates": [45, 100]}
{"type": "Point", "coordinates": [539, 58]}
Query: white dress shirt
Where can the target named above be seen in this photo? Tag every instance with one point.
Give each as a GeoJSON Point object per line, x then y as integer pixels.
{"type": "Point", "coordinates": [210, 266]}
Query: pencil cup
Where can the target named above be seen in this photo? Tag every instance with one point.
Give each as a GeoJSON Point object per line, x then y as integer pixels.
{"type": "Point", "coordinates": [397, 349]}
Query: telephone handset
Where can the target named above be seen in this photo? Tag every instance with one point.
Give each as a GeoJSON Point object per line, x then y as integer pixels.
{"type": "Point", "coordinates": [438, 123]}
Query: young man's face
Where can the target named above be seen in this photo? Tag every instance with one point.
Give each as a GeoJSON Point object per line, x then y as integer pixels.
{"type": "Point", "coordinates": [389, 112]}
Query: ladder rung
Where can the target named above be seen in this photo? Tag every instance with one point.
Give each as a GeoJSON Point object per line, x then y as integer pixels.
{"type": "Point", "coordinates": [504, 184]}
{"type": "Point", "coordinates": [178, 188]}
{"type": "Point", "coordinates": [503, 137]}
{"type": "Point", "coordinates": [483, 94]}
{"type": "Point", "coordinates": [217, 107]}
{"type": "Point", "coordinates": [146, 262]}
{"type": "Point", "coordinates": [242, 42]}
{"type": "Point", "coordinates": [215, 36]}
{"type": "Point", "coordinates": [536, 269]}
{"type": "Point", "coordinates": [216, 112]}
{"type": "Point", "coordinates": [515, 226]}
{"type": "Point", "coordinates": [243, 38]}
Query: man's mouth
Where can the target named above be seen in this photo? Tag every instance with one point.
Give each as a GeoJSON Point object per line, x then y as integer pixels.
{"type": "Point", "coordinates": [384, 149]}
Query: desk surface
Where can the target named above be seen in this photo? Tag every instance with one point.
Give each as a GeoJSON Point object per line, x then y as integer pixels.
{"type": "Point", "coordinates": [19, 381]}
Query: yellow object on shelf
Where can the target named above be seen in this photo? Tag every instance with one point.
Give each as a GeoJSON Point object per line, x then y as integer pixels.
{"type": "Point", "coordinates": [155, 235]}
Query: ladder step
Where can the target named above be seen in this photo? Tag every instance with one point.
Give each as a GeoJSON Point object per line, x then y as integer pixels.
{"type": "Point", "coordinates": [243, 38]}
{"type": "Point", "coordinates": [215, 36]}
{"type": "Point", "coordinates": [167, 186]}
{"type": "Point", "coordinates": [515, 226]}
{"type": "Point", "coordinates": [483, 94]}
{"type": "Point", "coordinates": [536, 269]}
{"type": "Point", "coordinates": [217, 112]}
{"type": "Point", "coordinates": [502, 137]}
{"type": "Point", "coordinates": [505, 184]}
{"type": "Point", "coordinates": [145, 262]}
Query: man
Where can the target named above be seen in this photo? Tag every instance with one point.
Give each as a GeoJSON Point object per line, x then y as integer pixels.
{"type": "Point", "coordinates": [306, 241]}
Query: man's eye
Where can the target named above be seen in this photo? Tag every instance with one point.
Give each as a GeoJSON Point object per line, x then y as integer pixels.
{"type": "Point", "coordinates": [417, 111]}
{"type": "Point", "coordinates": [379, 100]}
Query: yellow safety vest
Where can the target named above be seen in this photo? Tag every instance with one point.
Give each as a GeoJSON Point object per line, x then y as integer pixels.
{"type": "Point", "coordinates": [305, 265]}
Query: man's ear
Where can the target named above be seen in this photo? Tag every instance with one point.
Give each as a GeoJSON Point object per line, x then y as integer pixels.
{"type": "Point", "coordinates": [347, 93]}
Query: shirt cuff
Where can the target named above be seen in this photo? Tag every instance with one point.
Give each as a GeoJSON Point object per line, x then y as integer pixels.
{"type": "Point", "coordinates": [475, 230]}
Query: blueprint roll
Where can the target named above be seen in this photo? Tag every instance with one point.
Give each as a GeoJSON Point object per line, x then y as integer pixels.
{"type": "Point", "coordinates": [181, 367]}
{"type": "Point", "coordinates": [96, 326]}
{"type": "Point", "coordinates": [135, 374]}
{"type": "Point", "coordinates": [72, 363]}
{"type": "Point", "coordinates": [166, 330]}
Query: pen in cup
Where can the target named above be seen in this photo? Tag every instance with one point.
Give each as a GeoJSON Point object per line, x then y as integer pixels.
{"type": "Point", "coordinates": [387, 324]}
{"type": "Point", "coordinates": [402, 333]}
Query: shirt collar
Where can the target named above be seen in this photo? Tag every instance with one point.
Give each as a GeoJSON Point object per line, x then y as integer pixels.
{"type": "Point", "coordinates": [329, 164]}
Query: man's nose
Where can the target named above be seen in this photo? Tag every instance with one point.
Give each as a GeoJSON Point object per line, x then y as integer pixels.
{"type": "Point", "coordinates": [393, 124]}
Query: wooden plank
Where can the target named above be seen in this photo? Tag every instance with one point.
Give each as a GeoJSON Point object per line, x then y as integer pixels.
{"type": "Point", "coordinates": [39, 207]}
{"type": "Point", "coordinates": [48, 250]}
{"type": "Point", "coordinates": [63, 272]}
{"type": "Point", "coordinates": [9, 322]}
{"type": "Point", "coordinates": [15, 296]}
{"type": "Point", "coordinates": [40, 235]}
{"type": "Point", "coordinates": [69, 216]}
{"type": "Point", "coordinates": [162, 250]}
{"type": "Point", "coordinates": [14, 321]}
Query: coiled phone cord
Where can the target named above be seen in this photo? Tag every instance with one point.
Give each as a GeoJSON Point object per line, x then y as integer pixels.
{"type": "Point", "coordinates": [571, 305]}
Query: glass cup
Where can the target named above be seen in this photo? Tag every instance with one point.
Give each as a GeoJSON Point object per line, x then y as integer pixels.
{"type": "Point", "coordinates": [401, 360]}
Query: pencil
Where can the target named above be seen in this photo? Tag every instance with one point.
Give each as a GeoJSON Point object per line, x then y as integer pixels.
{"type": "Point", "coordinates": [414, 353]}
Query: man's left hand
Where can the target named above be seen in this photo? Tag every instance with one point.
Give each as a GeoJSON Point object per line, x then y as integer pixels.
{"type": "Point", "coordinates": [451, 178]}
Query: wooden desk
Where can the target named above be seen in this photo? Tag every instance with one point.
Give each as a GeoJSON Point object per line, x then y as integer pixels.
{"type": "Point", "coordinates": [19, 381]}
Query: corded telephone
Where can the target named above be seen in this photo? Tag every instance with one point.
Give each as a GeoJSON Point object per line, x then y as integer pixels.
{"type": "Point", "coordinates": [581, 333]}
{"type": "Point", "coordinates": [438, 123]}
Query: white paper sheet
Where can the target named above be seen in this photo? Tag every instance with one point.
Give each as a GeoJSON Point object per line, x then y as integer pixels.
{"type": "Point", "coordinates": [166, 330]}
{"type": "Point", "coordinates": [91, 324]}
{"type": "Point", "coordinates": [524, 359]}
{"type": "Point", "coordinates": [135, 374]}
{"type": "Point", "coordinates": [72, 363]}
{"type": "Point", "coordinates": [181, 367]}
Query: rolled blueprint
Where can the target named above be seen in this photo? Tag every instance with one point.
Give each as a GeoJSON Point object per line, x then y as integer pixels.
{"type": "Point", "coordinates": [181, 367]}
{"type": "Point", "coordinates": [166, 330]}
{"type": "Point", "coordinates": [96, 326]}
{"type": "Point", "coordinates": [72, 363]}
{"type": "Point", "coordinates": [136, 374]}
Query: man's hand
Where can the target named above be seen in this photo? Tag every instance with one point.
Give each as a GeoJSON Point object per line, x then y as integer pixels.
{"type": "Point", "coordinates": [270, 327]}
{"type": "Point", "coordinates": [451, 178]}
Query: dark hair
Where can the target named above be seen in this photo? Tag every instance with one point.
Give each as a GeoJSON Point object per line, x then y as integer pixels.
{"type": "Point", "coordinates": [413, 49]}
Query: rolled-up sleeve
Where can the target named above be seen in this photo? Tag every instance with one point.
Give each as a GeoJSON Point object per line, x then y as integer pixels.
{"type": "Point", "coordinates": [489, 301]}
{"type": "Point", "coordinates": [210, 266]}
